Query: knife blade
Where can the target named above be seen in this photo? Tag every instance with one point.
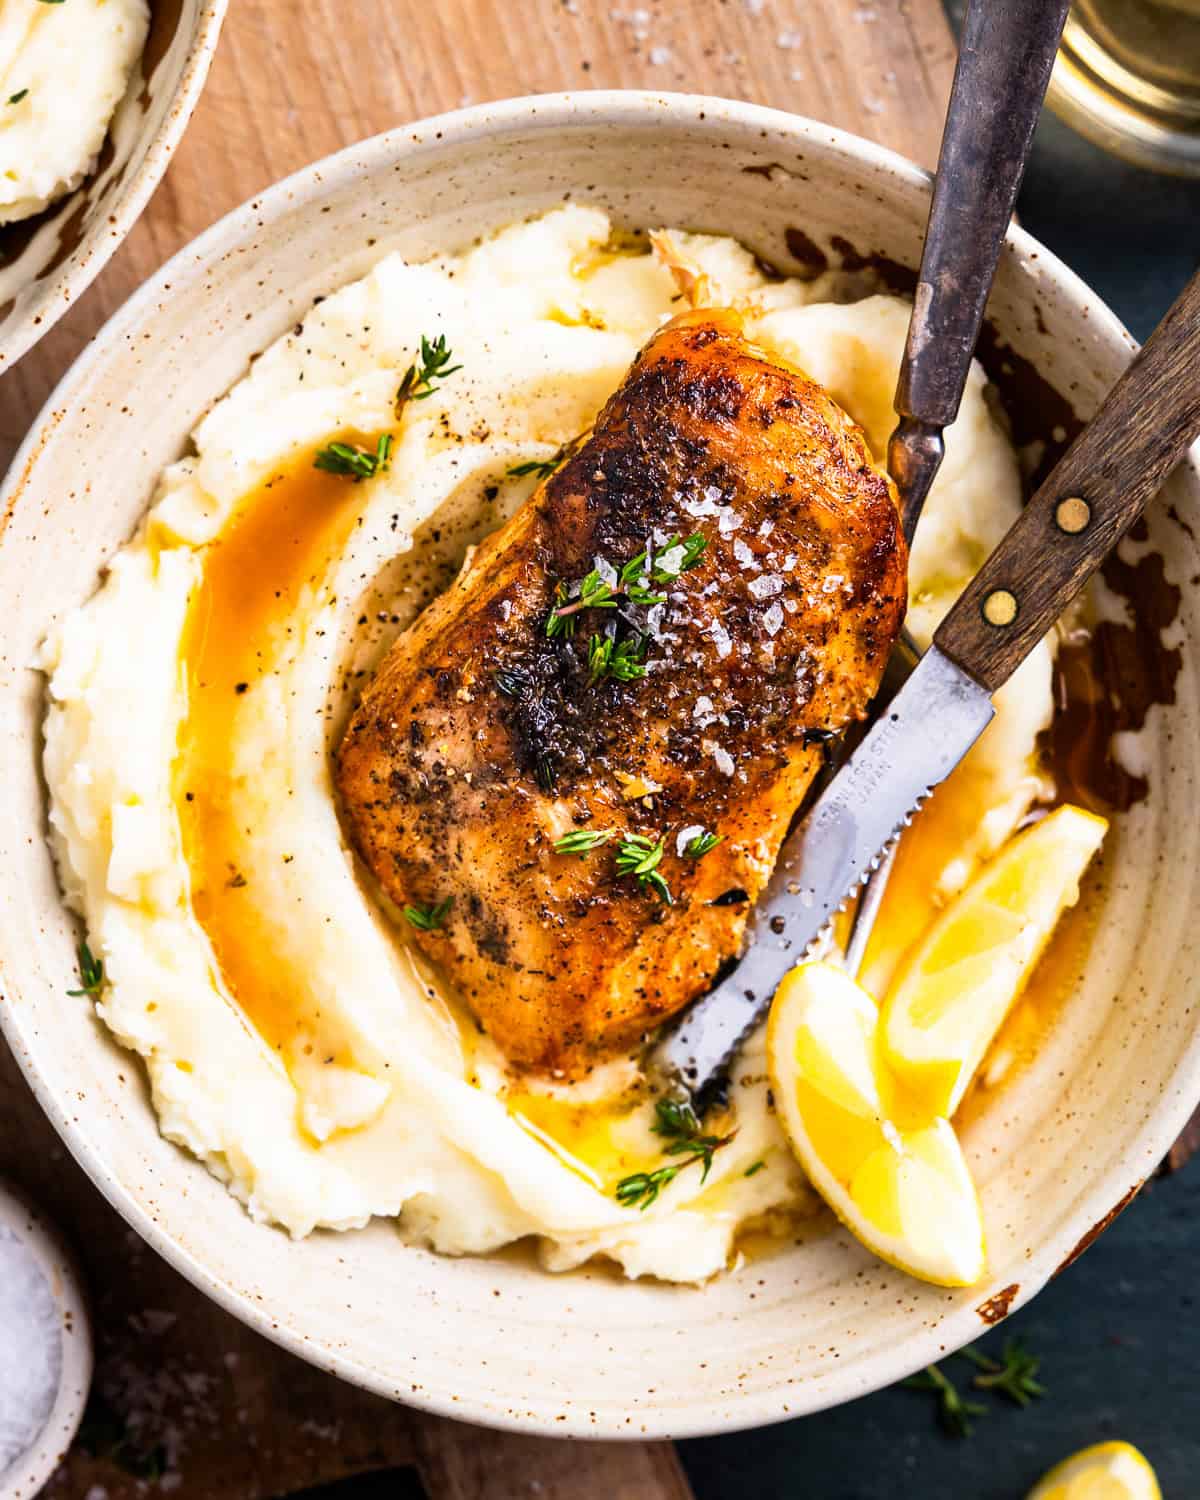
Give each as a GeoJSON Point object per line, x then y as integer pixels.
{"type": "Point", "coordinates": [1092, 496]}
{"type": "Point", "coordinates": [929, 726]}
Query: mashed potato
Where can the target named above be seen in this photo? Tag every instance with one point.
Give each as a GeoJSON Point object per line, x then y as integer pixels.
{"type": "Point", "coordinates": [63, 70]}
{"type": "Point", "coordinates": [386, 1100]}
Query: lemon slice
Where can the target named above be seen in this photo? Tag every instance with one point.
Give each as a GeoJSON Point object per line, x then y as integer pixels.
{"type": "Point", "coordinates": [1109, 1471]}
{"type": "Point", "coordinates": [950, 997]}
{"type": "Point", "coordinates": [900, 1185]}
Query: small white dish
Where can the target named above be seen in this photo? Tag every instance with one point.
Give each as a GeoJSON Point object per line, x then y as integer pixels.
{"type": "Point", "coordinates": [45, 1353]}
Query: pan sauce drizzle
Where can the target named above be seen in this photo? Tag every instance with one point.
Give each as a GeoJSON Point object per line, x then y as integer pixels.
{"type": "Point", "coordinates": [280, 541]}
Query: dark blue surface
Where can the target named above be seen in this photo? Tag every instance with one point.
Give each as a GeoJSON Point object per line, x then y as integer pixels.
{"type": "Point", "coordinates": [1118, 1332]}
{"type": "Point", "coordinates": [1133, 235]}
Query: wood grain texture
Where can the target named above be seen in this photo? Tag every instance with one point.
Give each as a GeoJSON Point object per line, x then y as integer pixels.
{"type": "Point", "coordinates": [1115, 466]}
{"type": "Point", "coordinates": [291, 85]}
{"type": "Point", "coordinates": [238, 1416]}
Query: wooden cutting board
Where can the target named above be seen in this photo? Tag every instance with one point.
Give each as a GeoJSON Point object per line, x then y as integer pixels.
{"type": "Point", "coordinates": [183, 1383]}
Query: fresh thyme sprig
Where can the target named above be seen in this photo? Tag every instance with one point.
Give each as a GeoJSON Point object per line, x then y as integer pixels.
{"type": "Point", "coordinates": [591, 592]}
{"type": "Point", "coordinates": [701, 844]}
{"type": "Point", "coordinates": [582, 841]}
{"type": "Point", "coordinates": [622, 660]}
{"type": "Point", "coordinates": [353, 462]}
{"type": "Point", "coordinates": [91, 972]}
{"type": "Point", "coordinates": [1014, 1374]}
{"type": "Point", "coordinates": [544, 467]}
{"type": "Point", "coordinates": [428, 918]}
{"type": "Point", "coordinates": [638, 857]}
{"type": "Point", "coordinates": [433, 364]}
{"type": "Point", "coordinates": [633, 583]}
{"type": "Point", "coordinates": [955, 1412]}
{"type": "Point", "coordinates": [678, 1124]}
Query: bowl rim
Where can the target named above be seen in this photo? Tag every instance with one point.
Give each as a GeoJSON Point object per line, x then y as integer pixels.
{"type": "Point", "coordinates": [1092, 1210]}
{"type": "Point", "coordinates": [90, 257]}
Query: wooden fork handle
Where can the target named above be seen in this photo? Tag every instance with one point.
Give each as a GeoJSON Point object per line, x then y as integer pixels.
{"type": "Point", "coordinates": [1089, 501]}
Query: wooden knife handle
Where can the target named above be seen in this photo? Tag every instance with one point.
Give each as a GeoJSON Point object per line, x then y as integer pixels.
{"type": "Point", "coordinates": [1093, 495]}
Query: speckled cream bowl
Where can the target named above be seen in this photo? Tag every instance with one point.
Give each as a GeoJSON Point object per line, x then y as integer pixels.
{"type": "Point", "coordinates": [496, 1340]}
{"type": "Point", "coordinates": [46, 262]}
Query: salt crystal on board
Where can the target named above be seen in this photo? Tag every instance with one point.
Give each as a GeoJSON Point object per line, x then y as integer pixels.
{"type": "Point", "coordinates": [31, 1351]}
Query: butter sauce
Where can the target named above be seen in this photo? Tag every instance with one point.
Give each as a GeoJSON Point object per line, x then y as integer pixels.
{"type": "Point", "coordinates": [279, 543]}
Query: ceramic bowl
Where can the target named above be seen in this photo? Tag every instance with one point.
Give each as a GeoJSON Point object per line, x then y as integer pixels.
{"type": "Point", "coordinates": [47, 261]}
{"type": "Point", "coordinates": [1057, 1151]}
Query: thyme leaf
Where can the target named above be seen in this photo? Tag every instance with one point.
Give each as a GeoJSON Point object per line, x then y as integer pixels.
{"type": "Point", "coordinates": [353, 462]}
{"type": "Point", "coordinates": [701, 844]}
{"type": "Point", "coordinates": [91, 972]}
{"type": "Point", "coordinates": [955, 1412]}
{"type": "Point", "coordinates": [591, 592]}
{"type": "Point", "coordinates": [1014, 1374]}
{"type": "Point", "coordinates": [623, 660]}
{"type": "Point", "coordinates": [678, 1124]}
{"type": "Point", "coordinates": [582, 841]}
{"type": "Point", "coordinates": [18, 96]}
{"type": "Point", "coordinates": [633, 582]}
{"type": "Point", "coordinates": [638, 857]}
{"type": "Point", "coordinates": [432, 364]}
{"type": "Point", "coordinates": [428, 918]}
{"type": "Point", "coordinates": [542, 467]}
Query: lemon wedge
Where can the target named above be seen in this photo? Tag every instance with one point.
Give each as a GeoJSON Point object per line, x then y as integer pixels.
{"type": "Point", "coordinates": [897, 1181]}
{"type": "Point", "coordinates": [1108, 1471]}
{"type": "Point", "coordinates": [951, 995]}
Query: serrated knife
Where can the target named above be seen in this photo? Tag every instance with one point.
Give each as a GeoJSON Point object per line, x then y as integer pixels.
{"type": "Point", "coordinates": [1093, 495]}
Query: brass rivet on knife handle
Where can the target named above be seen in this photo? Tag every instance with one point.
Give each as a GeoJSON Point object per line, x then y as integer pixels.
{"type": "Point", "coordinates": [1118, 462]}
{"type": "Point", "coordinates": [1072, 515]}
{"type": "Point", "coordinates": [1000, 607]}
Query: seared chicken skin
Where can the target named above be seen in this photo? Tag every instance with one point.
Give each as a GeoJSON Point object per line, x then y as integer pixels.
{"type": "Point", "coordinates": [730, 489]}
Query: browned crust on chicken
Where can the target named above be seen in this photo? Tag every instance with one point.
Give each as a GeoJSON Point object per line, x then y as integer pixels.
{"type": "Point", "coordinates": [455, 787]}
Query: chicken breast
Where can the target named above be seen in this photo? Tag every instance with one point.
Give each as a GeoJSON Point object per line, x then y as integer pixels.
{"type": "Point", "coordinates": [646, 658]}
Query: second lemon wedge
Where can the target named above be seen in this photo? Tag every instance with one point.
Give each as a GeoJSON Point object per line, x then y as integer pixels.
{"type": "Point", "coordinates": [897, 1181]}
{"type": "Point", "coordinates": [1107, 1471]}
{"type": "Point", "coordinates": [950, 997]}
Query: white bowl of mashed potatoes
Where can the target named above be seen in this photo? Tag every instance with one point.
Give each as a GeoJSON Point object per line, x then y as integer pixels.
{"type": "Point", "coordinates": [316, 1134]}
{"type": "Point", "coordinates": [94, 97]}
